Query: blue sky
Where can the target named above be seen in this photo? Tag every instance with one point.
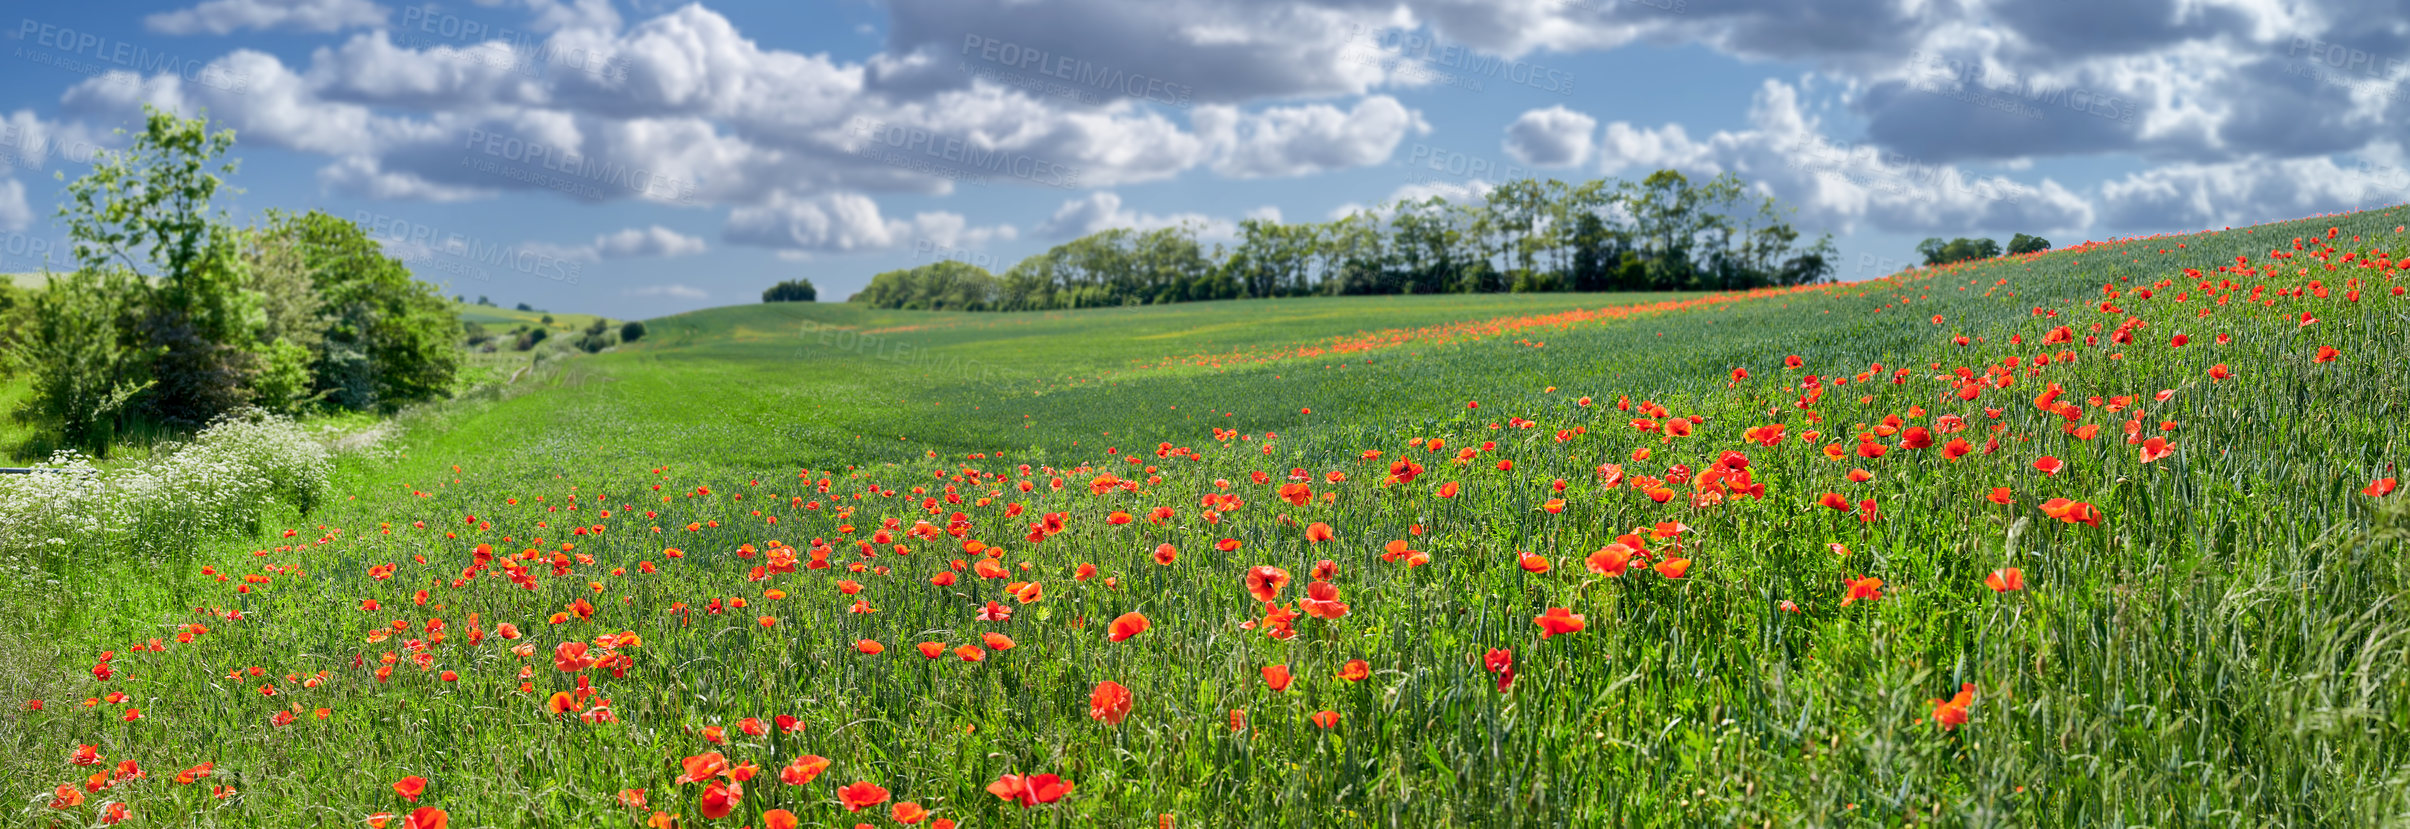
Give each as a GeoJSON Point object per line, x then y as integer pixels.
{"type": "Point", "coordinates": [638, 158]}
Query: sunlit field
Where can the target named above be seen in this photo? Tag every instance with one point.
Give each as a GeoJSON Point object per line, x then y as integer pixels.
{"type": "Point", "coordinates": [2106, 535]}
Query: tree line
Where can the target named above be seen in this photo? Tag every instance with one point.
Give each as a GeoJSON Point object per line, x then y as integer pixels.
{"type": "Point", "coordinates": [173, 316]}
{"type": "Point", "coordinates": [1962, 249]}
{"type": "Point", "coordinates": [1662, 233]}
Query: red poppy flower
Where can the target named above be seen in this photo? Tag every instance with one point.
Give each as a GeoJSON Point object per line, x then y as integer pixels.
{"type": "Point", "coordinates": [1031, 790]}
{"type": "Point", "coordinates": [803, 770]}
{"type": "Point", "coordinates": [1611, 560]}
{"type": "Point", "coordinates": [720, 798]}
{"type": "Point", "coordinates": [410, 788]}
{"type": "Point", "coordinates": [1327, 719]}
{"type": "Point", "coordinates": [2002, 581]}
{"type": "Point", "coordinates": [1265, 583]}
{"type": "Point", "coordinates": [1127, 625]}
{"type": "Point", "coordinates": [2381, 488]}
{"type": "Point", "coordinates": [1559, 620]}
{"type": "Point", "coordinates": [1356, 670]}
{"type": "Point", "coordinates": [1277, 676]}
{"type": "Point", "coordinates": [702, 766]}
{"type": "Point", "coordinates": [2072, 512]}
{"type": "Point", "coordinates": [1867, 589]}
{"type": "Point", "coordinates": [1952, 713]}
{"type": "Point", "coordinates": [1109, 703]}
{"type": "Point", "coordinates": [861, 795]}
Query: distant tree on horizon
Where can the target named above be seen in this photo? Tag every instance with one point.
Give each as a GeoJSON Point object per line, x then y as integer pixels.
{"type": "Point", "coordinates": [1961, 249]}
{"type": "Point", "coordinates": [792, 290]}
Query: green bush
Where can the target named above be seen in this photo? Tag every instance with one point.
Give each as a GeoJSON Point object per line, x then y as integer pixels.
{"type": "Point", "coordinates": [596, 337]}
{"type": "Point", "coordinates": [283, 384]}
{"type": "Point", "coordinates": [632, 331]}
{"type": "Point", "coordinates": [72, 350]}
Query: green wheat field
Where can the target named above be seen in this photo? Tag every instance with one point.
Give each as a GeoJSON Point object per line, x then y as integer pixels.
{"type": "Point", "coordinates": [2104, 535]}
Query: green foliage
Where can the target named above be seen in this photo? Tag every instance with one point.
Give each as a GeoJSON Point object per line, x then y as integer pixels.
{"type": "Point", "coordinates": [1961, 249]}
{"type": "Point", "coordinates": [147, 209]}
{"type": "Point", "coordinates": [284, 384]}
{"type": "Point", "coordinates": [1663, 233]}
{"type": "Point", "coordinates": [278, 271]}
{"type": "Point", "coordinates": [302, 309]}
{"type": "Point", "coordinates": [631, 331]}
{"type": "Point", "coordinates": [72, 349]}
{"type": "Point", "coordinates": [943, 285]}
{"type": "Point", "coordinates": [2024, 244]}
{"type": "Point", "coordinates": [390, 340]}
{"type": "Point", "coordinates": [531, 337]}
{"type": "Point", "coordinates": [596, 337]}
{"type": "Point", "coordinates": [792, 290]}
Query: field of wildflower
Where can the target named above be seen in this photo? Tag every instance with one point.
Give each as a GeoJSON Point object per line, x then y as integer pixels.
{"type": "Point", "coordinates": [2105, 535]}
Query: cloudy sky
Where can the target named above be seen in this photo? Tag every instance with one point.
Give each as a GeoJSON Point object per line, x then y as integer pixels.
{"type": "Point", "coordinates": [636, 158]}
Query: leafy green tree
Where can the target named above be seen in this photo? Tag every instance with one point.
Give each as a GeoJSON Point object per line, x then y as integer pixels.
{"type": "Point", "coordinates": [792, 290]}
{"type": "Point", "coordinates": [1662, 233]}
{"type": "Point", "coordinates": [2022, 244]}
{"type": "Point", "coordinates": [147, 209]}
{"type": "Point", "coordinates": [632, 331]}
{"type": "Point", "coordinates": [1961, 249]}
{"type": "Point", "coordinates": [389, 340]}
{"type": "Point", "coordinates": [943, 285]}
{"type": "Point", "coordinates": [277, 271]}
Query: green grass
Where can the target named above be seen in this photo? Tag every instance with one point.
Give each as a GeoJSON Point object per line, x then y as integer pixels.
{"type": "Point", "coordinates": [2229, 646]}
{"type": "Point", "coordinates": [505, 318]}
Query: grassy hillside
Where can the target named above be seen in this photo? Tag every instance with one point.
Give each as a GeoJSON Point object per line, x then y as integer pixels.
{"type": "Point", "coordinates": [504, 318]}
{"type": "Point", "coordinates": [2094, 536]}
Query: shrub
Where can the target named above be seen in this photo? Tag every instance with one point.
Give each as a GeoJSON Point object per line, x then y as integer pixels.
{"type": "Point", "coordinates": [632, 331]}
{"type": "Point", "coordinates": [72, 349]}
{"type": "Point", "coordinates": [596, 337]}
